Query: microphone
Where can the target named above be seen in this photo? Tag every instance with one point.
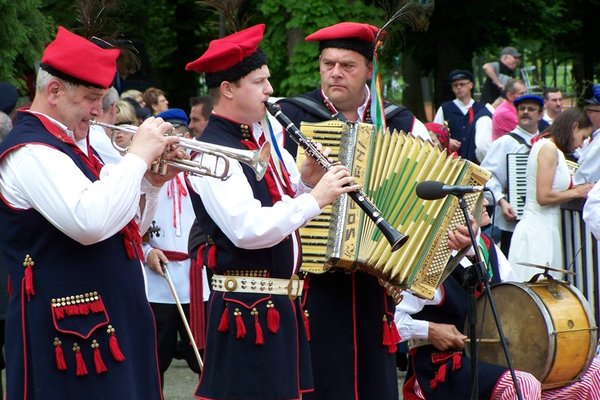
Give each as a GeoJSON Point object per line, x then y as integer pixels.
{"type": "Point", "coordinates": [433, 190]}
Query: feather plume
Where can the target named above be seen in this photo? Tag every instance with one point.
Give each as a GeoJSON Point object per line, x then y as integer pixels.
{"type": "Point", "coordinates": [100, 28]}
{"type": "Point", "coordinates": [413, 14]}
{"type": "Point", "coordinates": [230, 10]}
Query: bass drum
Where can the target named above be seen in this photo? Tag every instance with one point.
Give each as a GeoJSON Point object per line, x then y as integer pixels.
{"type": "Point", "coordinates": [549, 328]}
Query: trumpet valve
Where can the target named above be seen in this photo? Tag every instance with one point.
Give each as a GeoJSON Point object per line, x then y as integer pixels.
{"type": "Point", "coordinates": [159, 167]}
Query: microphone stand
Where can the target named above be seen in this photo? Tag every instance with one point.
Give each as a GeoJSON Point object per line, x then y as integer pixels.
{"type": "Point", "coordinates": [475, 274]}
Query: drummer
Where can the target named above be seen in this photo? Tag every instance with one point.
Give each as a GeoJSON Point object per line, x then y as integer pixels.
{"type": "Point", "coordinates": [438, 368]}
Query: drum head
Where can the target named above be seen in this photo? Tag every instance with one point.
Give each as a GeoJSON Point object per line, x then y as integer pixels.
{"type": "Point", "coordinates": [525, 323]}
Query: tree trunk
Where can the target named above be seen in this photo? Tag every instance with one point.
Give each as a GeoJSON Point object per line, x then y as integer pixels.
{"type": "Point", "coordinates": [413, 93]}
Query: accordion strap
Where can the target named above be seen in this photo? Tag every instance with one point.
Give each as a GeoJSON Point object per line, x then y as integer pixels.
{"type": "Point", "coordinates": [310, 105]}
{"type": "Point", "coordinates": [519, 139]}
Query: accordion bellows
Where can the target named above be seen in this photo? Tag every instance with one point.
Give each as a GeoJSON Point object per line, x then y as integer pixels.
{"type": "Point", "coordinates": [388, 167]}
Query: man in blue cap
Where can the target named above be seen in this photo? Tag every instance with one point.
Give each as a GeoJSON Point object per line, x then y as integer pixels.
{"type": "Point", "coordinates": [589, 155]}
{"type": "Point", "coordinates": [530, 108]}
{"type": "Point", "coordinates": [178, 118]}
{"type": "Point", "coordinates": [459, 113]}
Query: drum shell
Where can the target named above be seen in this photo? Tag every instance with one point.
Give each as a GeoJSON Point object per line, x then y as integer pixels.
{"type": "Point", "coordinates": [549, 327]}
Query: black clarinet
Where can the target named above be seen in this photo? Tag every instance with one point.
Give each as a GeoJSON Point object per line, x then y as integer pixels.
{"type": "Point", "coordinates": [396, 238]}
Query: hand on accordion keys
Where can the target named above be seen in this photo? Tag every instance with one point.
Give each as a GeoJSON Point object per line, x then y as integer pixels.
{"type": "Point", "coordinates": [459, 238]}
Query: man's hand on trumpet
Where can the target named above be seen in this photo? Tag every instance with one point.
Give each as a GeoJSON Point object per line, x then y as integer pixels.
{"type": "Point", "coordinates": [150, 139]}
{"type": "Point", "coordinates": [151, 142]}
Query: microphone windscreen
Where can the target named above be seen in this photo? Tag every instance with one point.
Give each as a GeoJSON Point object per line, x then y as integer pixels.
{"type": "Point", "coordinates": [430, 190]}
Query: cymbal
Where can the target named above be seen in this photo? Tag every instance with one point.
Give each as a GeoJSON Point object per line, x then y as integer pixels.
{"type": "Point", "coordinates": [546, 267]}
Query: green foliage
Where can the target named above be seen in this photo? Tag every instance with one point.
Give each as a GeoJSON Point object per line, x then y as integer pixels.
{"type": "Point", "coordinates": [292, 61]}
{"type": "Point", "coordinates": [24, 31]}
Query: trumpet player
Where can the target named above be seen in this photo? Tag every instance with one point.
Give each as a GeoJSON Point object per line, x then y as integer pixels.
{"type": "Point", "coordinates": [80, 323]}
{"type": "Point", "coordinates": [255, 330]}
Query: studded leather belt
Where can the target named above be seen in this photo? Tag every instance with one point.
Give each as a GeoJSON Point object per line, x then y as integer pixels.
{"type": "Point", "coordinates": [412, 343]}
{"type": "Point", "coordinates": [249, 284]}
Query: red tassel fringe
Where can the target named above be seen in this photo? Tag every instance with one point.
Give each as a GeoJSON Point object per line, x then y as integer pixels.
{"type": "Point", "coordinates": [260, 339]}
{"type": "Point", "coordinates": [443, 358]}
{"type": "Point", "coordinates": [212, 257]}
{"type": "Point", "coordinates": [29, 290]}
{"type": "Point", "coordinates": [98, 362]}
{"type": "Point", "coordinates": [224, 322]}
{"type": "Point", "coordinates": [59, 355]}
{"type": "Point", "coordinates": [305, 316]}
{"type": "Point", "coordinates": [239, 323]}
{"type": "Point", "coordinates": [440, 376]}
{"type": "Point", "coordinates": [80, 368]}
{"type": "Point", "coordinates": [115, 349]}
{"type": "Point", "coordinates": [394, 338]}
{"type": "Point", "coordinates": [273, 318]}
{"type": "Point", "coordinates": [386, 340]}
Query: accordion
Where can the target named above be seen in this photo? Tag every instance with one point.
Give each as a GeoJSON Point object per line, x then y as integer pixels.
{"type": "Point", "coordinates": [388, 167]}
{"type": "Point", "coordinates": [516, 172]}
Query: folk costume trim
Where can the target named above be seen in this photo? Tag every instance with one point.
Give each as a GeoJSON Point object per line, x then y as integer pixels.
{"type": "Point", "coordinates": [68, 312]}
{"type": "Point", "coordinates": [132, 238]}
{"type": "Point", "coordinates": [255, 310]}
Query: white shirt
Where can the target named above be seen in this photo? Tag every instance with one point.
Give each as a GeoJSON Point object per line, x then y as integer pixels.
{"type": "Point", "coordinates": [40, 177]}
{"type": "Point", "coordinates": [410, 328]}
{"type": "Point", "coordinates": [242, 218]}
{"type": "Point", "coordinates": [591, 210]}
{"type": "Point", "coordinates": [495, 162]}
{"type": "Point", "coordinates": [100, 141]}
{"type": "Point", "coordinates": [175, 224]}
{"type": "Point", "coordinates": [483, 134]}
{"type": "Point", "coordinates": [589, 161]}
{"type": "Point", "coordinates": [464, 108]}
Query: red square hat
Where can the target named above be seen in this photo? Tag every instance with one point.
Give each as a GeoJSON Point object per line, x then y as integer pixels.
{"type": "Point", "coordinates": [347, 35]}
{"type": "Point", "coordinates": [232, 57]}
{"type": "Point", "coordinates": [77, 60]}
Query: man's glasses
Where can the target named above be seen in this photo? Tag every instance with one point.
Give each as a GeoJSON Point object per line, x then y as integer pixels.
{"type": "Point", "coordinates": [528, 108]}
{"type": "Point", "coordinates": [592, 110]}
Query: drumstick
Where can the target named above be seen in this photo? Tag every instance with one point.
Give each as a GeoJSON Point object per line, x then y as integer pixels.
{"type": "Point", "coordinates": [186, 325]}
{"type": "Point", "coordinates": [483, 340]}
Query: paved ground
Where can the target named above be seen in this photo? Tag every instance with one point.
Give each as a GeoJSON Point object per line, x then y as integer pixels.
{"type": "Point", "coordinates": [180, 382]}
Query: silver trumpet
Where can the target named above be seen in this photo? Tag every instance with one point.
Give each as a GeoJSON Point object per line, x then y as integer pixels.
{"type": "Point", "coordinates": [258, 159]}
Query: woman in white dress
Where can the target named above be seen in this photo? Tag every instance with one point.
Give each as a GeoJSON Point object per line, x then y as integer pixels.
{"type": "Point", "coordinates": [537, 236]}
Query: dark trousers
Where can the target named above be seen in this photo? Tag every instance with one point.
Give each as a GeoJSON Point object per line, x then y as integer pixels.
{"type": "Point", "coordinates": [169, 330]}
{"type": "Point", "coordinates": [505, 238]}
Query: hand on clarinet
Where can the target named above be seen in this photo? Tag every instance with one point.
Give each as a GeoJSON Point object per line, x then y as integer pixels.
{"type": "Point", "coordinates": [334, 183]}
{"type": "Point", "coordinates": [310, 170]}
